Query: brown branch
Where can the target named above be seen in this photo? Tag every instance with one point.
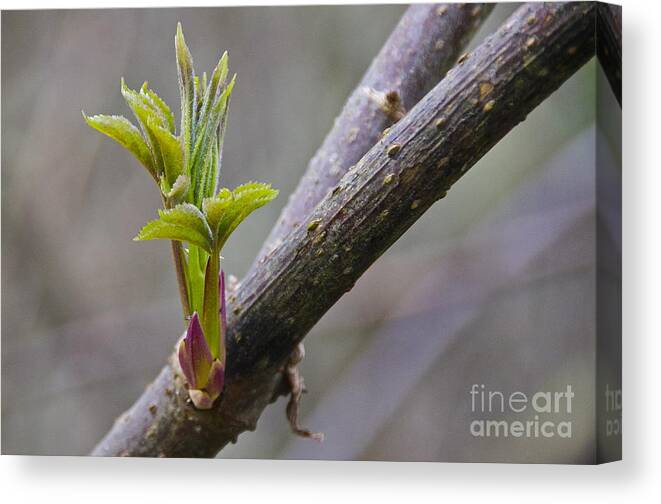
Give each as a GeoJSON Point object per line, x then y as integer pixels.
{"type": "Point", "coordinates": [414, 165]}
{"type": "Point", "coordinates": [424, 45]}
{"type": "Point", "coordinates": [609, 45]}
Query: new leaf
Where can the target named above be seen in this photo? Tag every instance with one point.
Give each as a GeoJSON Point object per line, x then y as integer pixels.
{"type": "Point", "coordinates": [245, 199]}
{"type": "Point", "coordinates": [125, 134]}
{"type": "Point", "coordinates": [183, 223]}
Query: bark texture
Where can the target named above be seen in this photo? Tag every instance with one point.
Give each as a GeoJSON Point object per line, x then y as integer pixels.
{"type": "Point", "coordinates": [609, 45]}
{"type": "Point", "coordinates": [480, 100]}
{"type": "Point", "coordinates": [424, 45]}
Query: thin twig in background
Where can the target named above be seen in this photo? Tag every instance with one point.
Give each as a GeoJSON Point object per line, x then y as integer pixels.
{"type": "Point", "coordinates": [424, 45]}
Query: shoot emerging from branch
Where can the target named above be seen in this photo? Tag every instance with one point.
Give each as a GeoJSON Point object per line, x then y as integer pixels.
{"type": "Point", "coordinates": [197, 217]}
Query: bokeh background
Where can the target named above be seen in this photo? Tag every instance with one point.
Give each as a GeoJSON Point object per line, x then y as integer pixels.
{"type": "Point", "coordinates": [494, 285]}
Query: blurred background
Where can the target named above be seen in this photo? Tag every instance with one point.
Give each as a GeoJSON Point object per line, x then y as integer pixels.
{"type": "Point", "coordinates": [494, 285]}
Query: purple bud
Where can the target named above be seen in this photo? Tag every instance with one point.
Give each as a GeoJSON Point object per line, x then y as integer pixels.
{"type": "Point", "coordinates": [186, 363]}
{"type": "Point", "coordinates": [204, 374]}
{"type": "Point", "coordinates": [216, 379]}
{"type": "Point", "coordinates": [195, 355]}
{"type": "Point", "coordinates": [201, 400]}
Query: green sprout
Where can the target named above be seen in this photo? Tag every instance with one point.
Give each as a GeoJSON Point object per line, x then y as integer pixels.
{"type": "Point", "coordinates": [197, 217]}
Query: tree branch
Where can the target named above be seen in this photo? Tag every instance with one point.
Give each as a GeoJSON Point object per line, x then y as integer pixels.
{"type": "Point", "coordinates": [424, 45]}
{"type": "Point", "coordinates": [479, 101]}
{"type": "Point", "coordinates": [609, 45]}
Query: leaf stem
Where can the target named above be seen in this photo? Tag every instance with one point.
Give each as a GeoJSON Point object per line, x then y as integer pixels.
{"type": "Point", "coordinates": [211, 304]}
{"type": "Point", "coordinates": [178, 259]}
{"type": "Point", "coordinates": [177, 256]}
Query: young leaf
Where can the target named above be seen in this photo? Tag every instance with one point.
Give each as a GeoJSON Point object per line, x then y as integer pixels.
{"type": "Point", "coordinates": [208, 188]}
{"type": "Point", "coordinates": [162, 108]}
{"type": "Point", "coordinates": [215, 207]}
{"type": "Point", "coordinates": [147, 117]}
{"type": "Point", "coordinates": [158, 110]}
{"type": "Point", "coordinates": [245, 199]}
{"type": "Point", "coordinates": [212, 91]}
{"type": "Point", "coordinates": [195, 267]}
{"type": "Point", "coordinates": [183, 223]}
{"type": "Point", "coordinates": [198, 97]}
{"type": "Point", "coordinates": [170, 149]}
{"type": "Point", "coordinates": [186, 75]}
{"type": "Point", "coordinates": [178, 191]}
{"type": "Point", "coordinates": [220, 141]}
{"type": "Point", "coordinates": [208, 135]}
{"type": "Point", "coordinates": [124, 133]}
{"type": "Point", "coordinates": [214, 178]}
{"type": "Point", "coordinates": [211, 303]}
{"type": "Point", "coordinates": [187, 215]}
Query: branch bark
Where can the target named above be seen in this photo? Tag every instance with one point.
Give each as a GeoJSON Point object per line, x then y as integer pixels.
{"type": "Point", "coordinates": [424, 45]}
{"type": "Point", "coordinates": [479, 101]}
{"type": "Point", "coordinates": [609, 45]}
